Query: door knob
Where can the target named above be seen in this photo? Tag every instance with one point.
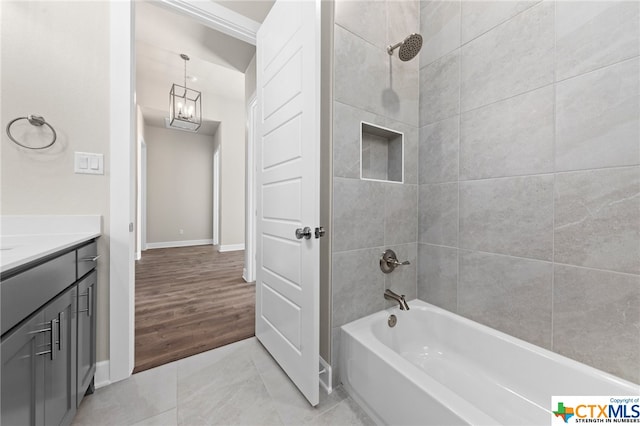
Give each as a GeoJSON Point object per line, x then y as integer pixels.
{"type": "Point", "coordinates": [320, 232]}
{"type": "Point", "coordinates": [306, 233]}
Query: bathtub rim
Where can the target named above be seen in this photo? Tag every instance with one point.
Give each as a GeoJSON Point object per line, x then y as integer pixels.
{"type": "Point", "coordinates": [436, 390]}
{"type": "Point", "coordinates": [362, 325]}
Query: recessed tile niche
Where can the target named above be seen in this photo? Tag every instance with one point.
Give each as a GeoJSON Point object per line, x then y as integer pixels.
{"type": "Point", "coordinates": [381, 153]}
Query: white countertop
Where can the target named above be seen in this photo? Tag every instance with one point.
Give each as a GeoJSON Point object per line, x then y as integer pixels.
{"type": "Point", "coordinates": [28, 238]}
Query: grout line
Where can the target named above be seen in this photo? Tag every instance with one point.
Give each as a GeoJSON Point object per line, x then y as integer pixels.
{"type": "Point", "coordinates": [497, 25]}
{"type": "Point", "coordinates": [458, 174]}
{"type": "Point", "coordinates": [461, 112]}
{"type": "Point", "coordinates": [629, 166]}
{"type": "Point", "coordinates": [611, 271]}
{"type": "Point", "coordinates": [507, 98]}
{"type": "Point", "coordinates": [553, 194]}
{"type": "Point", "coordinates": [360, 37]}
{"type": "Point", "coordinates": [588, 268]}
{"type": "Point", "coordinates": [628, 59]}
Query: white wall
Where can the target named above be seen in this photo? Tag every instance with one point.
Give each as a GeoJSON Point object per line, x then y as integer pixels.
{"type": "Point", "coordinates": [250, 79]}
{"type": "Point", "coordinates": [179, 185]}
{"type": "Point", "coordinates": [55, 62]}
{"type": "Point", "coordinates": [230, 112]}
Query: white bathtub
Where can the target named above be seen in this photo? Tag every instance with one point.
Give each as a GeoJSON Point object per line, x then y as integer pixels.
{"type": "Point", "coordinates": [438, 368]}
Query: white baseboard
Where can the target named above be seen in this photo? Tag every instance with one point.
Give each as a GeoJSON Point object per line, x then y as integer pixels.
{"type": "Point", "coordinates": [325, 375]}
{"type": "Point", "coordinates": [102, 377]}
{"type": "Point", "coordinates": [244, 275]}
{"type": "Point", "coordinates": [168, 244]}
{"type": "Point", "coordinates": [230, 247]}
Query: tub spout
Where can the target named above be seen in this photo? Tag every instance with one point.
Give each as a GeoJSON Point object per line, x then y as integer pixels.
{"type": "Point", "coordinates": [402, 303]}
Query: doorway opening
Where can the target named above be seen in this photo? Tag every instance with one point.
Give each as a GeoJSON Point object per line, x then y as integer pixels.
{"type": "Point", "coordinates": [191, 292]}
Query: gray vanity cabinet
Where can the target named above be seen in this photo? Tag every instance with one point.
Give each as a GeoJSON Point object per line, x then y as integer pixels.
{"type": "Point", "coordinates": [23, 354]}
{"type": "Point", "coordinates": [86, 334]}
{"type": "Point", "coordinates": [48, 342]}
{"type": "Point", "coordinates": [60, 400]}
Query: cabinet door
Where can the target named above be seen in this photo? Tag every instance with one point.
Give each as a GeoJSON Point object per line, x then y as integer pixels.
{"type": "Point", "coordinates": [23, 353]}
{"type": "Point", "coordinates": [60, 368]}
{"type": "Point", "coordinates": [86, 333]}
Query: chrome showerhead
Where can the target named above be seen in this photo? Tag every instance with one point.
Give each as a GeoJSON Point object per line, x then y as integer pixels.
{"type": "Point", "coordinates": [409, 47]}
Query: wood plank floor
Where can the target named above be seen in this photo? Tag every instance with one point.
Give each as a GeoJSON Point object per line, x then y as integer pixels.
{"type": "Point", "coordinates": [189, 300]}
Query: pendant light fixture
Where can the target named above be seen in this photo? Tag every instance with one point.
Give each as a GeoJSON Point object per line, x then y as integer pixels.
{"type": "Point", "coordinates": [185, 105]}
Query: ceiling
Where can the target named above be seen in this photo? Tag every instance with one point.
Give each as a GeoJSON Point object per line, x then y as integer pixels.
{"type": "Point", "coordinates": [256, 10]}
{"type": "Point", "coordinates": [161, 35]}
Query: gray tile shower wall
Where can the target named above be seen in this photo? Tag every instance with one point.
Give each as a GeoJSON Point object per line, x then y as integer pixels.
{"type": "Point", "coordinates": [529, 172]}
{"type": "Point", "coordinates": [369, 216]}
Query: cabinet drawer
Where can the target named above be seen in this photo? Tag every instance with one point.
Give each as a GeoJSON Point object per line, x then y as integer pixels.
{"type": "Point", "coordinates": [87, 259]}
{"type": "Point", "coordinates": [23, 294]}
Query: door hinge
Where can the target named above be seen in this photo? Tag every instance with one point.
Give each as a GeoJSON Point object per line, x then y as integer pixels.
{"type": "Point", "coordinates": [131, 227]}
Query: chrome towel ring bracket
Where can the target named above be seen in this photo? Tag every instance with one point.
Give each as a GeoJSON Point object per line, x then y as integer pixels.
{"type": "Point", "coordinates": [34, 120]}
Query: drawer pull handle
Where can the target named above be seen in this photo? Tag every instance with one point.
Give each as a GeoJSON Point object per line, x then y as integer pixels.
{"type": "Point", "coordinates": [60, 328]}
{"type": "Point", "coordinates": [53, 338]}
{"type": "Point", "coordinates": [89, 259]}
{"type": "Point", "coordinates": [42, 330]}
{"type": "Point", "coordinates": [89, 301]}
{"type": "Point", "coordinates": [52, 342]}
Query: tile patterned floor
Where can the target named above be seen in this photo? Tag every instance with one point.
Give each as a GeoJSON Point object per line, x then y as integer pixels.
{"type": "Point", "coordinates": [237, 384]}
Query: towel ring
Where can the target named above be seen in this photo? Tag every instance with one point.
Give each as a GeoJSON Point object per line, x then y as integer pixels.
{"type": "Point", "coordinates": [34, 120]}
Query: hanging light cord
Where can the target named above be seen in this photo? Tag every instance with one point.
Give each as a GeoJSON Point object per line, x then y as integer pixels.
{"type": "Point", "coordinates": [185, 74]}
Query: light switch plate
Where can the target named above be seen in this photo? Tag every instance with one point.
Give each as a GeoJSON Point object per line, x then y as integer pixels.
{"type": "Point", "coordinates": [89, 163]}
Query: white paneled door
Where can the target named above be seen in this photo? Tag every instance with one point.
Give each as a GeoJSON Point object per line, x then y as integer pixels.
{"type": "Point", "coordinates": [288, 192]}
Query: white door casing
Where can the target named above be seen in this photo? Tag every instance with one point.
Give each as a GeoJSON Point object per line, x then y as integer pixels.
{"type": "Point", "coordinates": [249, 272]}
{"type": "Point", "coordinates": [216, 197]}
{"type": "Point", "coordinates": [288, 192]}
{"type": "Point", "coordinates": [122, 244]}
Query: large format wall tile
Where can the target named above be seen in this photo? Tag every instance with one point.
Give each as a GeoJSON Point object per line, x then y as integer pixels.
{"type": "Point", "coordinates": [438, 214]}
{"type": "Point", "coordinates": [438, 153]}
{"type": "Point", "coordinates": [404, 278]}
{"type": "Point", "coordinates": [358, 284]}
{"type": "Point", "coordinates": [440, 29]}
{"type": "Point", "coordinates": [509, 216]}
{"type": "Point", "coordinates": [360, 71]}
{"type": "Point", "coordinates": [400, 214]}
{"type": "Point", "coordinates": [510, 294]}
{"type": "Point", "coordinates": [596, 318]}
{"type": "Point", "coordinates": [511, 59]}
{"type": "Point", "coordinates": [597, 219]}
{"type": "Point", "coordinates": [363, 18]}
{"type": "Point", "coordinates": [399, 98]}
{"type": "Point", "coordinates": [594, 34]}
{"type": "Point", "coordinates": [346, 138]}
{"type": "Point", "coordinates": [438, 276]}
{"type": "Point", "coordinates": [509, 138]}
{"type": "Point", "coordinates": [439, 89]}
{"type": "Point", "coordinates": [598, 116]}
{"type": "Point", "coordinates": [403, 17]}
{"type": "Point", "coordinates": [411, 137]}
{"type": "Point", "coordinates": [480, 16]}
{"type": "Point", "coordinates": [358, 214]}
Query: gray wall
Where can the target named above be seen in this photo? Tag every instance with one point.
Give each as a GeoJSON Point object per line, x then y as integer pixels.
{"type": "Point", "coordinates": [179, 185]}
{"type": "Point", "coordinates": [370, 216]}
{"type": "Point", "coordinates": [529, 195]}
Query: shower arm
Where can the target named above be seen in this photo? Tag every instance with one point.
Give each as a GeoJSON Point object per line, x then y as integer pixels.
{"type": "Point", "coordinates": [391, 48]}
